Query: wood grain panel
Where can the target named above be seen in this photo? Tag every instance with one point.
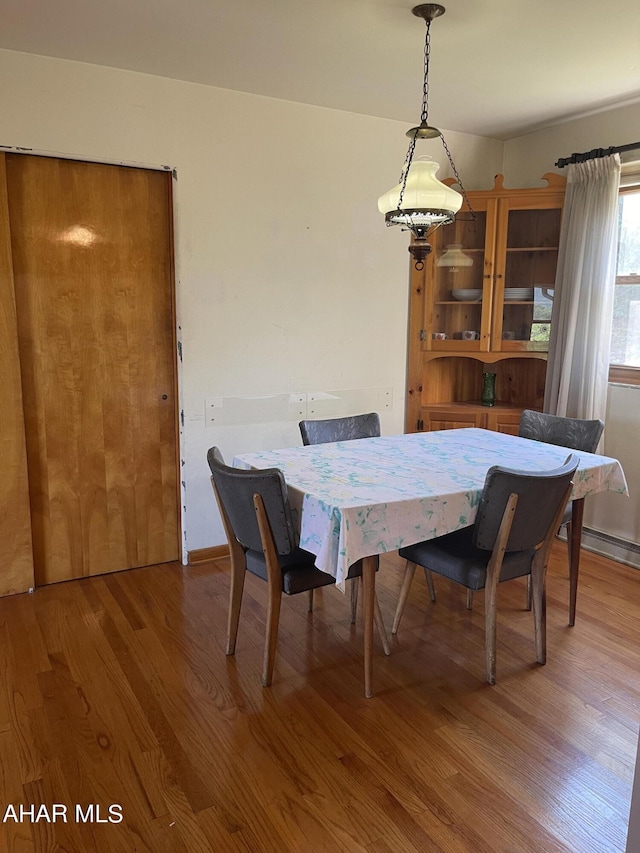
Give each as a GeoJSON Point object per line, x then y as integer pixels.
{"type": "Point", "coordinates": [442, 417]}
{"type": "Point", "coordinates": [452, 380]}
{"type": "Point", "coordinates": [16, 558]}
{"type": "Point", "coordinates": [501, 421]}
{"type": "Point", "coordinates": [520, 382]}
{"type": "Point", "coordinates": [94, 292]}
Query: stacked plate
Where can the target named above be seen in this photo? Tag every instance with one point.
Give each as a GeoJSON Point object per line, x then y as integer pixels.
{"type": "Point", "coordinates": [519, 294]}
{"type": "Point", "coordinates": [469, 295]}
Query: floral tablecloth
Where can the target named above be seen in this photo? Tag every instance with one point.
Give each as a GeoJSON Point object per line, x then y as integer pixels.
{"type": "Point", "coordinates": [374, 495]}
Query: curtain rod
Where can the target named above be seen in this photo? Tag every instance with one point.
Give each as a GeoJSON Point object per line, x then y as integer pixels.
{"type": "Point", "coordinates": [596, 152]}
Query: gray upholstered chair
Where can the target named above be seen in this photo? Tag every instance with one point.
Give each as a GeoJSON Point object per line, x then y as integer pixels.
{"type": "Point", "coordinates": [262, 539]}
{"type": "Point", "coordinates": [345, 429]}
{"type": "Point", "coordinates": [576, 434]}
{"type": "Point", "coordinates": [340, 429]}
{"type": "Point", "coordinates": [518, 515]}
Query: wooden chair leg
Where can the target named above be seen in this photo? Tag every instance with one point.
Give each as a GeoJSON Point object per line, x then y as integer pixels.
{"type": "Point", "coordinates": [235, 600]}
{"type": "Point", "coordinates": [490, 596]}
{"type": "Point", "coordinates": [469, 599]}
{"type": "Point", "coordinates": [494, 567]}
{"type": "Point", "coordinates": [539, 614]}
{"type": "Point", "coordinates": [528, 605]}
{"type": "Point", "coordinates": [274, 590]}
{"type": "Point", "coordinates": [355, 586]}
{"type": "Point", "coordinates": [409, 572]}
{"type": "Point", "coordinates": [432, 590]}
{"type": "Point", "coordinates": [310, 601]}
{"type": "Point", "coordinates": [271, 640]}
{"type": "Point", "coordinates": [377, 615]}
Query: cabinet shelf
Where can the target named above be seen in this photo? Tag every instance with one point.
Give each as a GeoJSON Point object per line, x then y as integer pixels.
{"type": "Point", "coordinates": [479, 302]}
{"type": "Point", "coordinates": [475, 406]}
{"type": "Point", "coordinates": [531, 249]}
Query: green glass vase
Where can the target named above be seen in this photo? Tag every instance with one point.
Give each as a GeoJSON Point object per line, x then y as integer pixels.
{"type": "Point", "coordinates": [488, 397]}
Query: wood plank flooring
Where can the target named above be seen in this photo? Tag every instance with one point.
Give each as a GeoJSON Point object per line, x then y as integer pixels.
{"type": "Point", "coordinates": [116, 692]}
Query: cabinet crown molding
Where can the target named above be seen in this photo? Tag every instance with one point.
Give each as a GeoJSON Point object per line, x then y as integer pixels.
{"type": "Point", "coordinates": [553, 180]}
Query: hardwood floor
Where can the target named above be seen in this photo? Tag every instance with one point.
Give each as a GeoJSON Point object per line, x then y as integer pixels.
{"type": "Point", "coordinates": [116, 692]}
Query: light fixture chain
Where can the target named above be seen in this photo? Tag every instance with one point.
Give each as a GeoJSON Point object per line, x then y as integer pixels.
{"type": "Point", "coordinates": [423, 117]}
{"type": "Point", "coordinates": [425, 79]}
{"type": "Point", "coordinates": [405, 170]}
{"type": "Point", "coordinates": [457, 176]}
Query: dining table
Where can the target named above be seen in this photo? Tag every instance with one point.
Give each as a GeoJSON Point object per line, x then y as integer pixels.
{"type": "Point", "coordinates": [355, 500]}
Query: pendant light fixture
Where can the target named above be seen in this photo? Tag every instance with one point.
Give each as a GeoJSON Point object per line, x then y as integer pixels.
{"type": "Point", "coordinates": [420, 202]}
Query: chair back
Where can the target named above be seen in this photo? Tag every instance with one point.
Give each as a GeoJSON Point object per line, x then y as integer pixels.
{"type": "Point", "coordinates": [540, 495]}
{"type": "Point", "coordinates": [340, 429]}
{"type": "Point", "coordinates": [575, 433]}
{"type": "Point", "coordinates": [235, 489]}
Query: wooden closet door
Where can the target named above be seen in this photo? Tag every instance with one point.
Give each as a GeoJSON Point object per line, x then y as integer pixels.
{"type": "Point", "coordinates": [92, 264]}
{"type": "Point", "coordinates": [16, 559]}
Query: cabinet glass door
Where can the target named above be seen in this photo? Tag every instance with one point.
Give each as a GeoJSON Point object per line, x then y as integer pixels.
{"type": "Point", "coordinates": [525, 278]}
{"type": "Point", "coordinates": [456, 319]}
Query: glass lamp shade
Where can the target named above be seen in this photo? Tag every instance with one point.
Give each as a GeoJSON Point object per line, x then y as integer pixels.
{"type": "Point", "coordinates": [454, 257]}
{"type": "Point", "coordinates": [426, 201]}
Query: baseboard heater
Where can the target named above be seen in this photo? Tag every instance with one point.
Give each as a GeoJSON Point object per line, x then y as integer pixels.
{"type": "Point", "coordinates": [611, 546]}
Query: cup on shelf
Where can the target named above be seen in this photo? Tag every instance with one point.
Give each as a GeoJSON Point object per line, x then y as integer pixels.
{"type": "Point", "coordinates": [469, 335]}
{"type": "Point", "coordinates": [439, 336]}
{"type": "Point", "coordinates": [508, 336]}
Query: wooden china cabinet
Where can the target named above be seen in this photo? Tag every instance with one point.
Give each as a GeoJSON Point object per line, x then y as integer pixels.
{"type": "Point", "coordinates": [482, 304]}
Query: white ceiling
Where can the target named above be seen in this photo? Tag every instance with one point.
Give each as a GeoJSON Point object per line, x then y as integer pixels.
{"type": "Point", "coordinates": [499, 68]}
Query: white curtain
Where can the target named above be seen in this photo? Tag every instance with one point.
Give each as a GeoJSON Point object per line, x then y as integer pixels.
{"type": "Point", "coordinates": [578, 367]}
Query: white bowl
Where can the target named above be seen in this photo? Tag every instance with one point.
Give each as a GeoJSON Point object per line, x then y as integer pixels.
{"type": "Point", "coordinates": [467, 295]}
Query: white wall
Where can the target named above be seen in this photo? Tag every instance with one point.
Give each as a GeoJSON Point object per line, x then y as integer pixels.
{"type": "Point", "coordinates": [526, 159]}
{"type": "Point", "coordinates": [618, 515]}
{"type": "Point", "coordinates": [287, 279]}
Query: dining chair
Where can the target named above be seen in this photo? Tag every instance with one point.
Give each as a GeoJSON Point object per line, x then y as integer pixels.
{"type": "Point", "coordinates": [324, 431]}
{"type": "Point", "coordinates": [518, 515]}
{"type": "Point", "coordinates": [340, 429]}
{"type": "Point", "coordinates": [576, 434]}
{"type": "Point", "coordinates": [262, 539]}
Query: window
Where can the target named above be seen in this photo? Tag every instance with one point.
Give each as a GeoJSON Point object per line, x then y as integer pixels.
{"type": "Point", "coordinates": [625, 334]}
